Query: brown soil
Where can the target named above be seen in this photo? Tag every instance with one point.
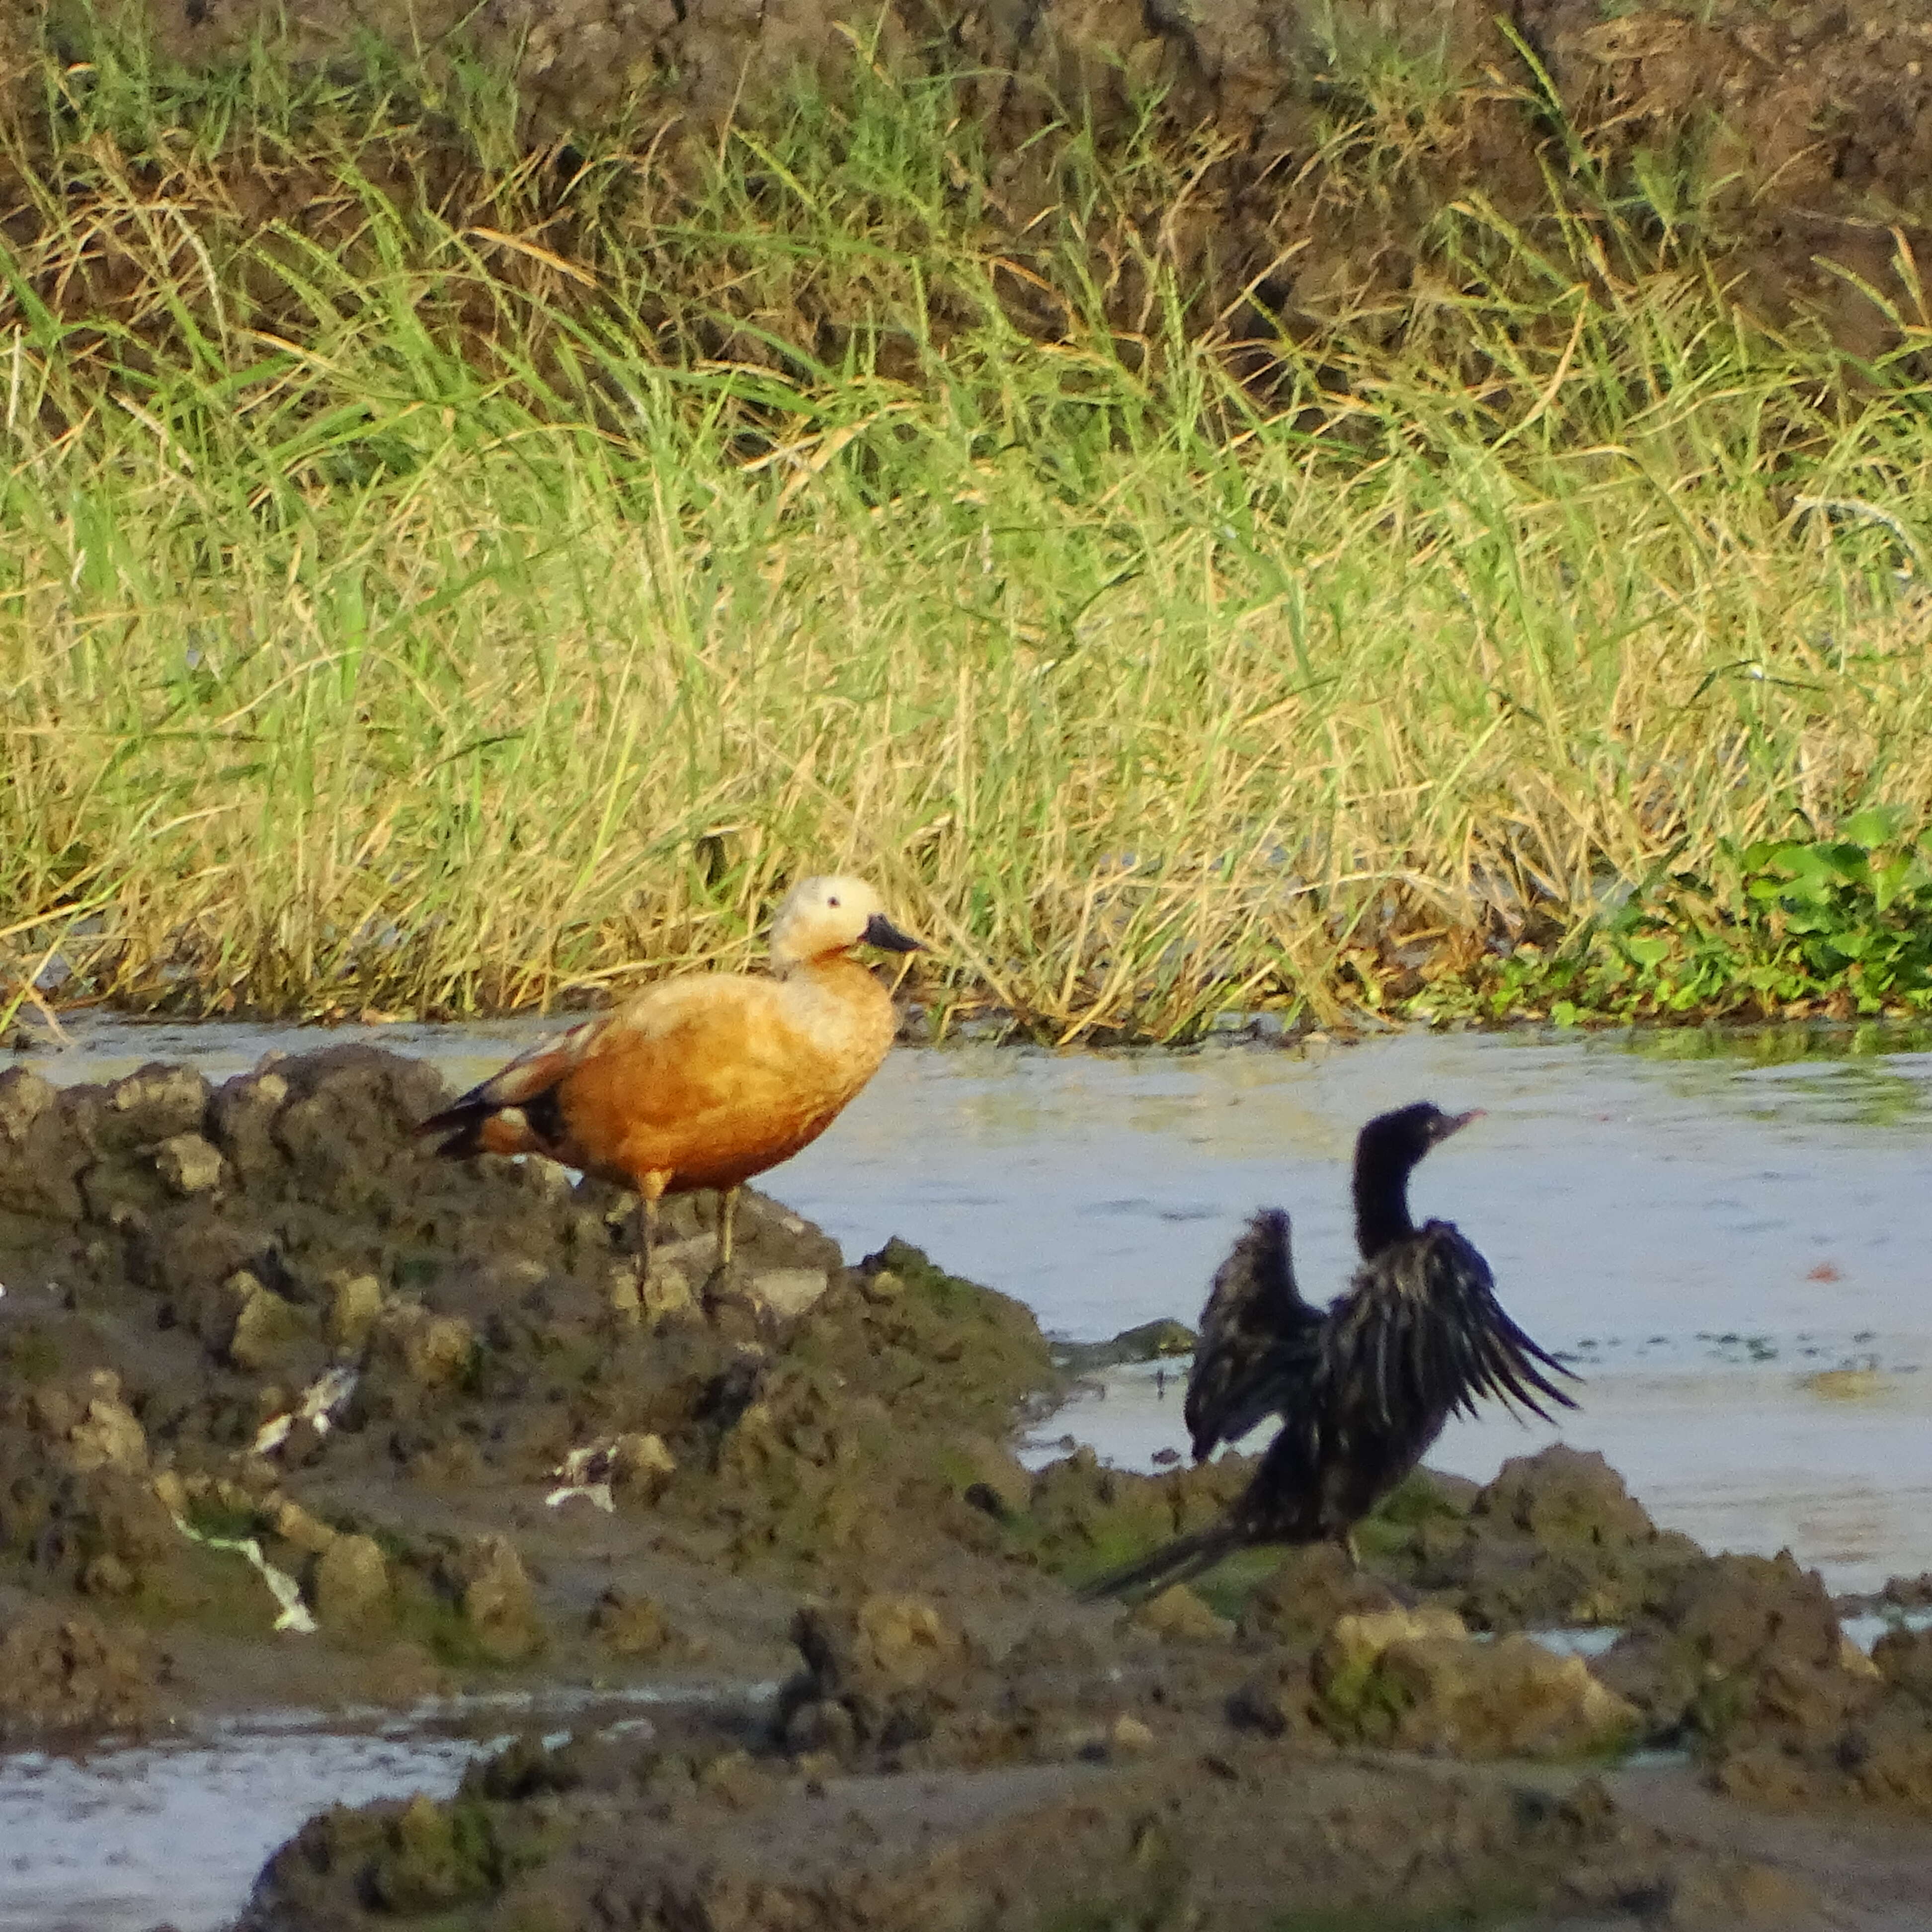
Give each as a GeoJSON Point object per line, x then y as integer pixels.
{"type": "Point", "coordinates": [808, 1471]}
{"type": "Point", "coordinates": [1807, 126]}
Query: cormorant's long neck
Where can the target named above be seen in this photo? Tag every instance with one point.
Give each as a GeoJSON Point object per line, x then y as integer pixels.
{"type": "Point", "coordinates": [1381, 1201]}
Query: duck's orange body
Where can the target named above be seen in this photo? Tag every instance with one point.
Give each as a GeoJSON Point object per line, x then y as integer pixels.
{"type": "Point", "coordinates": [703, 1082]}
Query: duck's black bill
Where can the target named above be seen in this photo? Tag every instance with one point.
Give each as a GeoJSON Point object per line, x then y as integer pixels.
{"type": "Point", "coordinates": [880, 932]}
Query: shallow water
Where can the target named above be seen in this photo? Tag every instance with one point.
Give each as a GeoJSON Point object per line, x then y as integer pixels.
{"type": "Point", "coordinates": [127, 1836]}
{"type": "Point", "coordinates": [1706, 1223]}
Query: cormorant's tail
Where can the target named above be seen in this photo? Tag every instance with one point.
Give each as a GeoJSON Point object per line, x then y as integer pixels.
{"type": "Point", "coordinates": [1176, 1562]}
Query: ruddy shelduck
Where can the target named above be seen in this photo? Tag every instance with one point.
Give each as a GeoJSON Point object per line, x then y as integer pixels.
{"type": "Point", "coordinates": [703, 1081]}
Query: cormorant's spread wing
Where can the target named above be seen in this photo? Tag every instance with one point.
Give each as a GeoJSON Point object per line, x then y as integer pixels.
{"type": "Point", "coordinates": [1426, 1335]}
{"type": "Point", "coordinates": [1254, 1354]}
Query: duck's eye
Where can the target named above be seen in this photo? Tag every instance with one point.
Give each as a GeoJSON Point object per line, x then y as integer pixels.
{"type": "Point", "coordinates": [831, 902]}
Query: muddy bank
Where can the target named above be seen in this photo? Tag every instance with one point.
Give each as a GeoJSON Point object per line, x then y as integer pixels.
{"type": "Point", "coordinates": [269, 1362]}
{"type": "Point", "coordinates": [293, 1413]}
{"type": "Point", "coordinates": [1788, 142]}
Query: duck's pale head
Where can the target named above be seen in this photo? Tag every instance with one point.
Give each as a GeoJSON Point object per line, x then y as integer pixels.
{"type": "Point", "coordinates": [820, 917]}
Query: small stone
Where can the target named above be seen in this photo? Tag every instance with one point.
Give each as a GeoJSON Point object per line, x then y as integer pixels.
{"type": "Point", "coordinates": [433, 1350]}
{"type": "Point", "coordinates": [1130, 1735]}
{"type": "Point", "coordinates": [187, 1164]}
{"type": "Point", "coordinates": [630, 1627]}
{"type": "Point", "coordinates": [620, 1292]}
{"type": "Point", "coordinates": [297, 1528]}
{"type": "Point", "coordinates": [263, 1324]}
{"type": "Point", "coordinates": [1179, 1616]}
{"type": "Point", "coordinates": [107, 1436]}
{"type": "Point", "coordinates": [881, 1285]}
{"type": "Point", "coordinates": [494, 1593]}
{"type": "Point", "coordinates": [666, 1292]}
{"type": "Point", "coordinates": [641, 1466]}
{"type": "Point", "coordinates": [1355, 1642]}
{"type": "Point", "coordinates": [355, 1300]}
{"type": "Point", "coordinates": [107, 1576]}
{"type": "Point", "coordinates": [789, 1292]}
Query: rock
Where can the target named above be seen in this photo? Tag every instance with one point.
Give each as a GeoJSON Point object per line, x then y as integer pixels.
{"type": "Point", "coordinates": [1161, 1340]}
{"type": "Point", "coordinates": [666, 1293]}
{"type": "Point", "coordinates": [874, 1673]}
{"type": "Point", "coordinates": [246, 1322]}
{"type": "Point", "coordinates": [432, 1350]}
{"type": "Point", "coordinates": [264, 1324]}
{"type": "Point", "coordinates": [187, 1164]}
{"type": "Point", "coordinates": [1415, 1681]}
{"type": "Point", "coordinates": [992, 1478]}
{"type": "Point", "coordinates": [298, 1529]}
{"type": "Point", "coordinates": [354, 1303]}
{"type": "Point", "coordinates": [631, 1627]}
{"type": "Point", "coordinates": [1565, 1495]}
{"type": "Point", "coordinates": [1697, 1659]}
{"type": "Point", "coordinates": [1556, 1539]}
{"type": "Point", "coordinates": [1903, 1658]}
{"type": "Point", "coordinates": [1179, 1616]}
{"type": "Point", "coordinates": [107, 1576]}
{"type": "Point", "coordinates": [881, 1285]}
{"type": "Point", "coordinates": [349, 1585]}
{"type": "Point", "coordinates": [40, 1154]}
{"type": "Point", "coordinates": [424, 1865]}
{"type": "Point", "coordinates": [789, 1292]}
{"type": "Point", "coordinates": [69, 1672]}
{"type": "Point", "coordinates": [493, 1594]}
{"type": "Point", "coordinates": [1356, 1642]}
{"type": "Point", "coordinates": [107, 1434]}
{"type": "Point", "coordinates": [640, 1467]}
{"type": "Point", "coordinates": [1129, 1735]}
{"type": "Point", "coordinates": [1299, 1603]}
{"type": "Point", "coordinates": [1274, 1701]}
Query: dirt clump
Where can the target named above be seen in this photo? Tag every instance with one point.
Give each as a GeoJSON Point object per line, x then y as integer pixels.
{"type": "Point", "coordinates": [1554, 1540]}
{"type": "Point", "coordinates": [1416, 1681]}
{"type": "Point", "coordinates": [315, 1362]}
{"type": "Point", "coordinates": [68, 1672]}
{"type": "Point", "coordinates": [1745, 1661]}
{"type": "Point", "coordinates": [1162, 1811]}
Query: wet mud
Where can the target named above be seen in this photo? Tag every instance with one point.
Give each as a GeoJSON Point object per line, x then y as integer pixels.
{"type": "Point", "coordinates": [294, 1413]}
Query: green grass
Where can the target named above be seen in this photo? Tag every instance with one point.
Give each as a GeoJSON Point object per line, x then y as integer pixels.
{"type": "Point", "coordinates": [442, 578]}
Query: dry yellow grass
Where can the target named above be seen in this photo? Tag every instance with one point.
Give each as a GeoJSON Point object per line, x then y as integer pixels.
{"type": "Point", "coordinates": [451, 644]}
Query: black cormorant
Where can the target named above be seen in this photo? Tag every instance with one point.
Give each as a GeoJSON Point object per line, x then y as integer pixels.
{"type": "Point", "coordinates": [1363, 1387]}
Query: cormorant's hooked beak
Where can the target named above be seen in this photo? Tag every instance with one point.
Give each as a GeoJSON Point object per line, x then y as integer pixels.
{"type": "Point", "coordinates": [1454, 1123]}
{"type": "Point", "coordinates": [880, 932]}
